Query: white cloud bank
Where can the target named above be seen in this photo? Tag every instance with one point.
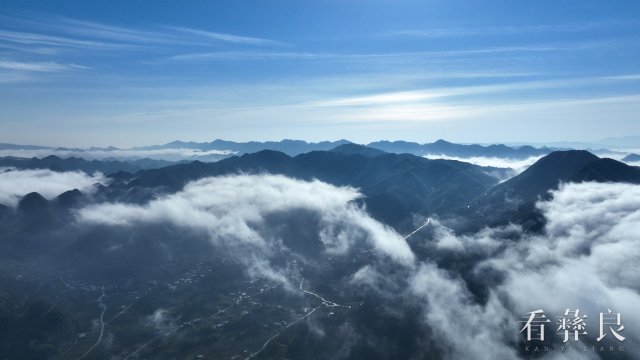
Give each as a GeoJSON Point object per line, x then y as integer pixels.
{"type": "Point", "coordinates": [518, 165]}
{"type": "Point", "coordinates": [233, 210]}
{"type": "Point", "coordinates": [16, 183]}
{"type": "Point", "coordinates": [587, 259]}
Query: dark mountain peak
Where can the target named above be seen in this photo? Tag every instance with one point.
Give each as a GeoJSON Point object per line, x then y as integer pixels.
{"type": "Point", "coordinates": [499, 146]}
{"type": "Point", "coordinates": [33, 202]}
{"type": "Point", "coordinates": [515, 198]}
{"type": "Point", "coordinates": [443, 147]}
{"type": "Point", "coordinates": [607, 170]}
{"type": "Point", "coordinates": [568, 154]}
{"type": "Point", "coordinates": [545, 173]}
{"type": "Point", "coordinates": [562, 163]}
{"type": "Point", "coordinates": [69, 198]}
{"type": "Point", "coordinates": [267, 155]}
{"type": "Point", "coordinates": [353, 149]}
{"type": "Point", "coordinates": [397, 147]}
{"type": "Point", "coordinates": [442, 142]}
{"type": "Point", "coordinates": [222, 142]}
{"type": "Point", "coordinates": [292, 141]}
{"type": "Point", "coordinates": [632, 157]}
{"type": "Point", "coordinates": [535, 182]}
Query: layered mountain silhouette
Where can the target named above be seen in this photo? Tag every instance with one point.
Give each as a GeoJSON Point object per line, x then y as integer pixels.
{"type": "Point", "coordinates": [4, 146]}
{"type": "Point", "coordinates": [296, 147]}
{"type": "Point", "coordinates": [442, 147]}
{"type": "Point", "coordinates": [56, 163]}
{"type": "Point", "coordinates": [514, 199]}
{"type": "Point", "coordinates": [287, 146]}
{"type": "Point", "coordinates": [290, 147]}
{"type": "Point", "coordinates": [394, 184]}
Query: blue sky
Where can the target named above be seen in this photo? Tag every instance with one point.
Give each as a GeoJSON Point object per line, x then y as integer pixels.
{"type": "Point", "coordinates": [124, 73]}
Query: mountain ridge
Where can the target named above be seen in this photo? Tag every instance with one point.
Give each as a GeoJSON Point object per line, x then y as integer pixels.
{"type": "Point", "coordinates": [296, 147]}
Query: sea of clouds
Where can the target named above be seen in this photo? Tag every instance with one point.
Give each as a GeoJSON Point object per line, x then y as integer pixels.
{"type": "Point", "coordinates": [14, 184]}
{"type": "Point", "coordinates": [234, 212]}
{"type": "Point", "coordinates": [585, 258]}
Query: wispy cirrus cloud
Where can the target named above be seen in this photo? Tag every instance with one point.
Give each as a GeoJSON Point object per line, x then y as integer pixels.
{"type": "Point", "coordinates": [78, 41]}
{"type": "Point", "coordinates": [509, 30]}
{"type": "Point", "coordinates": [48, 66]}
{"type": "Point", "coordinates": [151, 34]}
{"type": "Point", "coordinates": [96, 35]}
{"type": "Point", "coordinates": [30, 38]}
{"type": "Point", "coordinates": [236, 39]}
{"type": "Point", "coordinates": [624, 77]}
{"type": "Point", "coordinates": [253, 55]}
{"type": "Point", "coordinates": [109, 32]}
{"type": "Point", "coordinates": [389, 57]}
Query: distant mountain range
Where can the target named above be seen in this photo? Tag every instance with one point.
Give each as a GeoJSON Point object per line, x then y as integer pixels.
{"type": "Point", "coordinates": [395, 185]}
{"type": "Point", "coordinates": [442, 147]}
{"type": "Point", "coordinates": [296, 147]}
{"type": "Point", "coordinates": [355, 149]}
{"type": "Point", "coordinates": [4, 146]}
{"type": "Point", "coordinates": [56, 163]}
{"type": "Point", "coordinates": [290, 147]}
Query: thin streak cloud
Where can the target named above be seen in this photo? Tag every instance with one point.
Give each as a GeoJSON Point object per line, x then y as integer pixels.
{"type": "Point", "coordinates": [38, 66]}
{"type": "Point", "coordinates": [510, 30]}
{"type": "Point", "coordinates": [110, 32]}
{"type": "Point", "coordinates": [28, 38]}
{"type": "Point", "coordinates": [225, 37]}
{"type": "Point", "coordinates": [67, 32]}
{"type": "Point", "coordinates": [386, 57]}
